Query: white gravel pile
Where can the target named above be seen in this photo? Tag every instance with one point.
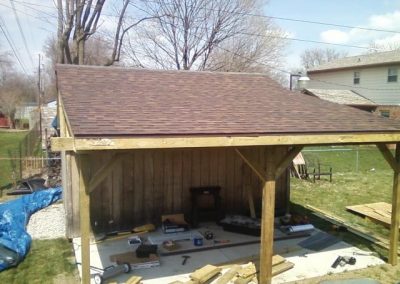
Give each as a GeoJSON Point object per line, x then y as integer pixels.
{"type": "Point", "coordinates": [48, 223]}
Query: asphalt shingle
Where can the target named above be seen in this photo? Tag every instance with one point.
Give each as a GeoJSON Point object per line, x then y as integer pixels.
{"type": "Point", "coordinates": [110, 101]}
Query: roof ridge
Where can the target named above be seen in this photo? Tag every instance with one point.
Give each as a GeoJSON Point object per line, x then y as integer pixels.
{"type": "Point", "coordinates": [130, 69]}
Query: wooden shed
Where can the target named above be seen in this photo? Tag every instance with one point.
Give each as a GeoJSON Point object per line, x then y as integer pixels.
{"type": "Point", "coordinates": [134, 141]}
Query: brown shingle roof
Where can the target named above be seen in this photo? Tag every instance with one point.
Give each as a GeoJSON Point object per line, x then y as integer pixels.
{"type": "Point", "coordinates": [108, 101]}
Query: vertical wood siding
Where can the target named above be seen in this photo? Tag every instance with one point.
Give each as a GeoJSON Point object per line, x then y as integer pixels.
{"type": "Point", "coordinates": [149, 183]}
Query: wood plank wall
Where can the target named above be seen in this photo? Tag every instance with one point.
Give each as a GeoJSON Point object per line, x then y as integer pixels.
{"type": "Point", "coordinates": [149, 183]}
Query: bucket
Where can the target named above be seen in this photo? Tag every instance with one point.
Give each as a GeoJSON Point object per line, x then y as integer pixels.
{"type": "Point", "coordinates": [198, 241]}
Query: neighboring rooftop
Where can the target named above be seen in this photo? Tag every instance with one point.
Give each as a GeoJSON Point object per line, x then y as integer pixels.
{"type": "Point", "coordinates": [344, 97]}
{"type": "Point", "coordinates": [372, 59]}
{"type": "Point", "coordinates": [110, 102]}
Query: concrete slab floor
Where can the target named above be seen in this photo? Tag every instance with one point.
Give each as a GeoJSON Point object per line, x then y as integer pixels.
{"type": "Point", "coordinates": [307, 263]}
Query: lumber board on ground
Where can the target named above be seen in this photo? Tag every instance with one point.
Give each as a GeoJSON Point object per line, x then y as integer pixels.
{"type": "Point", "coordinates": [379, 212]}
{"type": "Point", "coordinates": [134, 280]}
{"type": "Point", "coordinates": [276, 259]}
{"type": "Point", "coordinates": [228, 275]}
{"type": "Point", "coordinates": [205, 273]}
{"type": "Point", "coordinates": [357, 230]}
{"type": "Point", "coordinates": [282, 267]}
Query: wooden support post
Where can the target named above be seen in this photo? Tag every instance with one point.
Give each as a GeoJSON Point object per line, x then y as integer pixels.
{"type": "Point", "coordinates": [84, 210]}
{"type": "Point", "coordinates": [394, 228]}
{"type": "Point", "coordinates": [267, 219]}
{"type": "Point", "coordinates": [394, 163]}
{"type": "Point", "coordinates": [268, 208]}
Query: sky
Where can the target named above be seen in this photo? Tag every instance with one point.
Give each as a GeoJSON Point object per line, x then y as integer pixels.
{"type": "Point", "coordinates": [37, 19]}
{"type": "Point", "coordinates": [377, 14]}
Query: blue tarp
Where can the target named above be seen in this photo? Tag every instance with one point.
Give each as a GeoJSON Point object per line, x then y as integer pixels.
{"type": "Point", "coordinates": [14, 216]}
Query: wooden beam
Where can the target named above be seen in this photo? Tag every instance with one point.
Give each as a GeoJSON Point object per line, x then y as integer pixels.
{"type": "Point", "coordinates": [394, 229]}
{"type": "Point", "coordinates": [287, 160]}
{"type": "Point", "coordinates": [267, 219]}
{"type": "Point", "coordinates": [84, 212]}
{"type": "Point", "coordinates": [62, 144]}
{"type": "Point", "coordinates": [104, 171]}
{"type": "Point", "coordinates": [257, 169]}
{"type": "Point", "coordinates": [249, 191]}
{"type": "Point", "coordinates": [387, 154]}
{"type": "Point", "coordinates": [91, 144]}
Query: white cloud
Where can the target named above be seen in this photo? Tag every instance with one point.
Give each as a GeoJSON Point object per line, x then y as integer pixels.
{"type": "Point", "coordinates": [388, 21]}
{"type": "Point", "coordinates": [334, 36]}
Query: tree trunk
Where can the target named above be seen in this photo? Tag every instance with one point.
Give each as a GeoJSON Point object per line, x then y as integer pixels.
{"type": "Point", "coordinates": [81, 52]}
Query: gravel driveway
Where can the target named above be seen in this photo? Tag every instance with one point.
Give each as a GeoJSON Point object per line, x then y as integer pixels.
{"type": "Point", "coordinates": [48, 223]}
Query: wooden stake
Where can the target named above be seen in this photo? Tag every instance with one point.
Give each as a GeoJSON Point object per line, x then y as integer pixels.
{"type": "Point", "coordinates": [249, 190]}
{"type": "Point", "coordinates": [84, 209]}
{"type": "Point", "coordinates": [394, 229]}
{"type": "Point", "coordinates": [267, 221]}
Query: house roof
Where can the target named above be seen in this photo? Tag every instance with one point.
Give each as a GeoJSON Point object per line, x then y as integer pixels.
{"type": "Point", "coordinates": [372, 59]}
{"type": "Point", "coordinates": [115, 102]}
{"type": "Point", "coordinates": [344, 97]}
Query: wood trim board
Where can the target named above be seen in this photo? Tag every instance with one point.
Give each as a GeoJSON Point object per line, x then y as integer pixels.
{"type": "Point", "coordinates": [107, 143]}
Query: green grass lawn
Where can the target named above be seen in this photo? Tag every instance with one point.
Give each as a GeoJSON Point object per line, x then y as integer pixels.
{"type": "Point", "coordinates": [48, 261]}
{"type": "Point", "coordinates": [9, 144]}
{"type": "Point", "coordinates": [367, 179]}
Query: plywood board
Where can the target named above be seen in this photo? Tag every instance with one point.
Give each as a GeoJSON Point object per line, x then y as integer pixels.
{"type": "Point", "coordinates": [379, 212]}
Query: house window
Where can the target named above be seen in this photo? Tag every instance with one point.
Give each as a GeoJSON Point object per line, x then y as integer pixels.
{"type": "Point", "coordinates": [385, 113]}
{"type": "Point", "coordinates": [356, 78]}
{"type": "Point", "coordinates": [392, 75]}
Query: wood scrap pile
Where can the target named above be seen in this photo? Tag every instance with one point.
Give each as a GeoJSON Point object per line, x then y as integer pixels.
{"type": "Point", "coordinates": [239, 271]}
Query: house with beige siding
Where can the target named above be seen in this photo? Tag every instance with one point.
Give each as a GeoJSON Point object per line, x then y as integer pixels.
{"type": "Point", "coordinates": [373, 76]}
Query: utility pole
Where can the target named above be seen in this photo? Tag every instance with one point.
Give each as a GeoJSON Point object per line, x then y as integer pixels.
{"type": "Point", "coordinates": [40, 101]}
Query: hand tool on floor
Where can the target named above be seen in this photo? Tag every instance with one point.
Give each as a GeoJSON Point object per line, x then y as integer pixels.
{"type": "Point", "coordinates": [185, 258]}
{"type": "Point", "coordinates": [343, 260]}
{"type": "Point", "coordinates": [109, 272]}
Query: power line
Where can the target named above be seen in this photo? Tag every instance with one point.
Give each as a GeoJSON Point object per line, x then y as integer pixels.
{"type": "Point", "coordinates": [288, 73]}
{"type": "Point", "coordinates": [3, 29]}
{"type": "Point", "coordinates": [307, 40]}
{"type": "Point", "coordinates": [29, 6]}
{"type": "Point", "coordinates": [21, 32]}
{"type": "Point", "coordinates": [27, 14]}
{"type": "Point", "coordinates": [321, 23]}
{"type": "Point", "coordinates": [276, 36]}
{"type": "Point", "coordinates": [288, 19]}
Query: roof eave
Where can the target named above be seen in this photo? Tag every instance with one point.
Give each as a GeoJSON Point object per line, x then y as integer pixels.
{"type": "Point", "coordinates": [352, 67]}
{"type": "Point", "coordinates": [91, 144]}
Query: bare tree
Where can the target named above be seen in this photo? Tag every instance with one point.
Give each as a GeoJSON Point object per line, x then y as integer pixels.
{"type": "Point", "coordinates": [190, 34]}
{"type": "Point", "coordinates": [317, 56]}
{"type": "Point", "coordinates": [380, 47]}
{"type": "Point", "coordinates": [5, 66]}
{"type": "Point", "coordinates": [77, 19]}
{"type": "Point", "coordinates": [257, 50]}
